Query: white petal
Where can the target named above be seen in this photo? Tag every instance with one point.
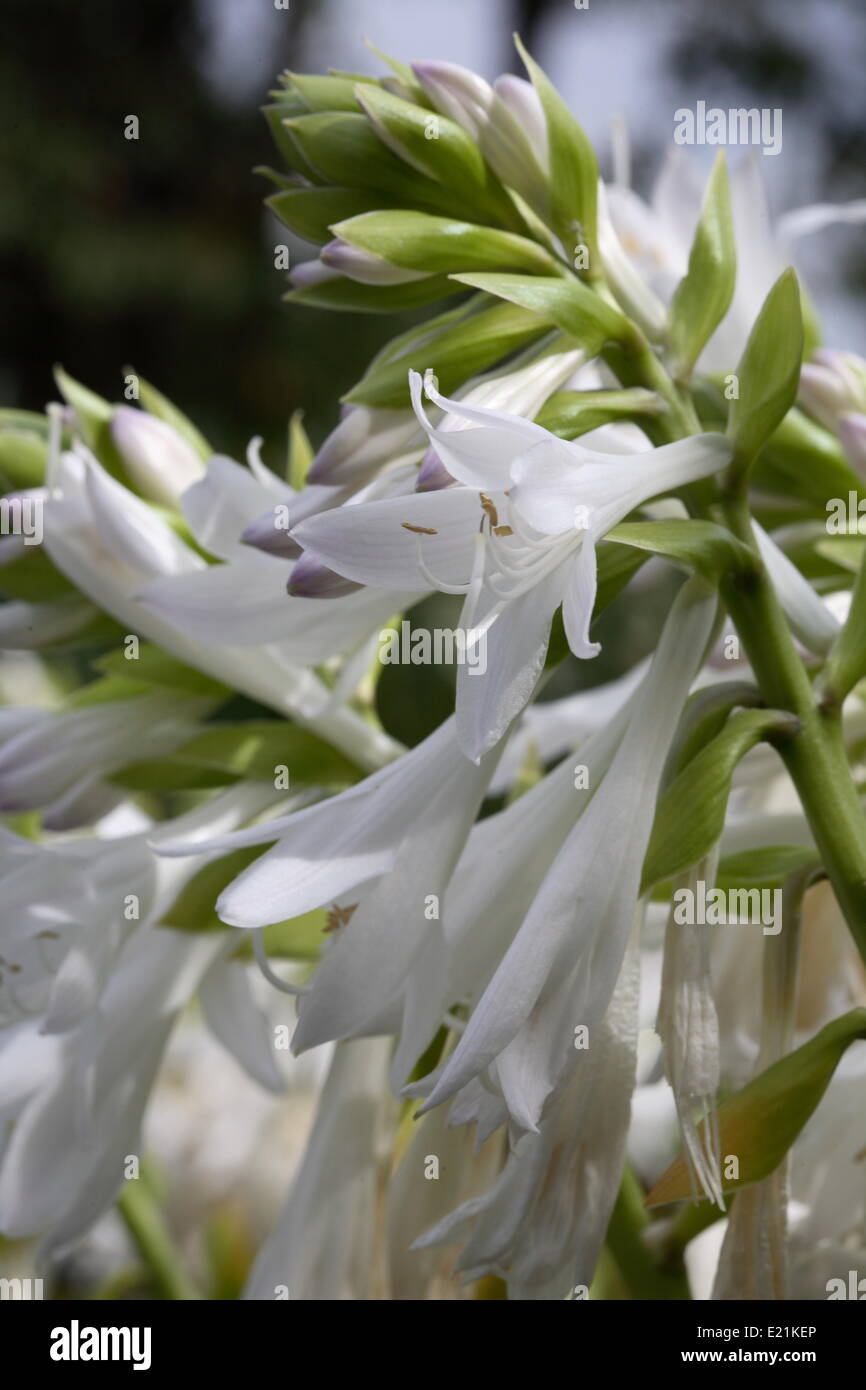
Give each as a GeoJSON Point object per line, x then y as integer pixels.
{"type": "Point", "coordinates": [370, 543]}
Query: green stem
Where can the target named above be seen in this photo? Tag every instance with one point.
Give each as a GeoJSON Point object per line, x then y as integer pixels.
{"type": "Point", "coordinates": [147, 1226]}
{"type": "Point", "coordinates": [639, 1267]}
{"type": "Point", "coordinates": [815, 754]}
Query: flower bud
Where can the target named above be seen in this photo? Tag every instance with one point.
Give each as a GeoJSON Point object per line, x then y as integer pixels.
{"type": "Point", "coordinates": [311, 579]}
{"type": "Point", "coordinates": [832, 385]}
{"type": "Point", "coordinates": [364, 266]}
{"type": "Point", "coordinates": [159, 461]}
{"type": "Point", "coordinates": [852, 436]}
{"type": "Point", "coordinates": [364, 441]}
{"type": "Point", "coordinates": [458, 93]}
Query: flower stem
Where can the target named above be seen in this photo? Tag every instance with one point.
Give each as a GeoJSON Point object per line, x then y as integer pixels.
{"type": "Point", "coordinates": [147, 1226]}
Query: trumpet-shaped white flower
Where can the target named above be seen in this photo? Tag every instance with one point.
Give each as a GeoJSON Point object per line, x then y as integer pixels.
{"type": "Point", "coordinates": [559, 971]}
{"type": "Point", "coordinates": [517, 540]}
{"type": "Point", "coordinates": [324, 1243]}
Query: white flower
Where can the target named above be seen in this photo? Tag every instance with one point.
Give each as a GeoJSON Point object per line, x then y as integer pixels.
{"type": "Point", "coordinates": [561, 967]}
{"type": "Point", "coordinates": [543, 1221]}
{"type": "Point", "coordinates": [323, 1246]}
{"type": "Point", "coordinates": [380, 855]}
{"type": "Point", "coordinates": [517, 539]}
{"type": "Point", "coordinates": [645, 247]}
{"type": "Point", "coordinates": [114, 548]}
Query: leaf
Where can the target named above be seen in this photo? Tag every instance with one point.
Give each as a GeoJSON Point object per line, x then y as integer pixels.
{"type": "Point", "coordinates": [255, 749]}
{"type": "Point", "coordinates": [155, 667]}
{"type": "Point", "coordinates": [300, 452]}
{"type": "Point", "coordinates": [194, 909]}
{"type": "Point", "coordinates": [343, 148]}
{"type": "Point", "coordinates": [311, 212]}
{"type": "Point", "coordinates": [572, 413]}
{"type": "Point", "coordinates": [703, 296]}
{"type": "Point", "coordinates": [768, 374]}
{"type": "Point", "coordinates": [759, 1124]}
{"type": "Point", "coordinates": [767, 867]}
{"type": "Point", "coordinates": [441, 245]}
{"type": "Point", "coordinates": [845, 665]}
{"type": "Point", "coordinates": [802, 459]}
{"type": "Point", "coordinates": [690, 815]}
{"type": "Point", "coordinates": [33, 577]}
{"type": "Point", "coordinates": [324, 92]}
{"type": "Point", "coordinates": [160, 406]}
{"type": "Point", "coordinates": [573, 167]}
{"type": "Point", "coordinates": [460, 352]}
{"type": "Point", "coordinates": [23, 457]}
{"type": "Point", "coordinates": [701, 546]}
{"type": "Point", "coordinates": [572, 306]}
{"type": "Point", "coordinates": [705, 715]}
{"type": "Point", "coordinates": [844, 551]}
{"type": "Point", "coordinates": [436, 146]}
{"type": "Point", "coordinates": [349, 296]}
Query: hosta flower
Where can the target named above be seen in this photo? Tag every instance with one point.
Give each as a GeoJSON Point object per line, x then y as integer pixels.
{"type": "Point", "coordinates": [517, 539]}
{"type": "Point", "coordinates": [115, 549]}
{"type": "Point", "coordinates": [90, 991]}
{"type": "Point", "coordinates": [645, 246]}
{"type": "Point", "coordinates": [379, 856]}
{"type": "Point", "coordinates": [560, 969]}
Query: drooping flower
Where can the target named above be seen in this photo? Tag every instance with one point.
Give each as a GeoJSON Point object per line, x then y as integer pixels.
{"type": "Point", "coordinates": [517, 540]}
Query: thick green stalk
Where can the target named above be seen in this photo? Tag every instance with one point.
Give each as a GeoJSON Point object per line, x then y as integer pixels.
{"type": "Point", "coordinates": [815, 754]}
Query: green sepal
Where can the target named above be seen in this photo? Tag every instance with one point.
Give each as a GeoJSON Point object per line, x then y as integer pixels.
{"type": "Point", "coordinates": [690, 814]}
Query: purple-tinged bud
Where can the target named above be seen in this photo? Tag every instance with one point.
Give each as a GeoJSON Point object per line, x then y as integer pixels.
{"type": "Point", "coordinates": [433, 476]}
{"type": "Point", "coordinates": [832, 385]}
{"type": "Point", "coordinates": [852, 437]}
{"type": "Point", "coordinates": [270, 533]}
{"type": "Point", "coordinates": [311, 579]}
{"type": "Point", "coordinates": [523, 102]}
{"type": "Point", "coordinates": [365, 440]}
{"type": "Point", "coordinates": [311, 273]}
{"type": "Point", "coordinates": [458, 93]}
{"type": "Point", "coordinates": [159, 461]}
{"type": "Point", "coordinates": [364, 266]}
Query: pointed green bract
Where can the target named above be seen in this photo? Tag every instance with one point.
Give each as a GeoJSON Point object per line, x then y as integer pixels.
{"type": "Point", "coordinates": [758, 1125]}
{"type": "Point", "coordinates": [701, 546]}
{"type": "Point", "coordinates": [573, 169]}
{"type": "Point", "coordinates": [569, 304]}
{"type": "Point", "coordinates": [704, 294]}
{"type": "Point", "coordinates": [768, 374]}
{"type": "Point", "coordinates": [690, 815]}
{"type": "Point", "coordinates": [458, 353]}
{"type": "Point", "coordinates": [569, 414]}
{"type": "Point", "coordinates": [441, 245]}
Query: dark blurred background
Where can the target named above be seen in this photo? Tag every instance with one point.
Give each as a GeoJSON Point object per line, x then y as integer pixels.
{"type": "Point", "coordinates": [157, 253]}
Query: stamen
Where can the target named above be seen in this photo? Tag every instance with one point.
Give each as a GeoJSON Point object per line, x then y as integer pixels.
{"type": "Point", "coordinates": [419, 530]}
{"type": "Point", "coordinates": [284, 986]}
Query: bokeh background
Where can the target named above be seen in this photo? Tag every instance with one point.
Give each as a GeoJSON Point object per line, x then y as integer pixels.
{"type": "Point", "coordinates": [157, 252]}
